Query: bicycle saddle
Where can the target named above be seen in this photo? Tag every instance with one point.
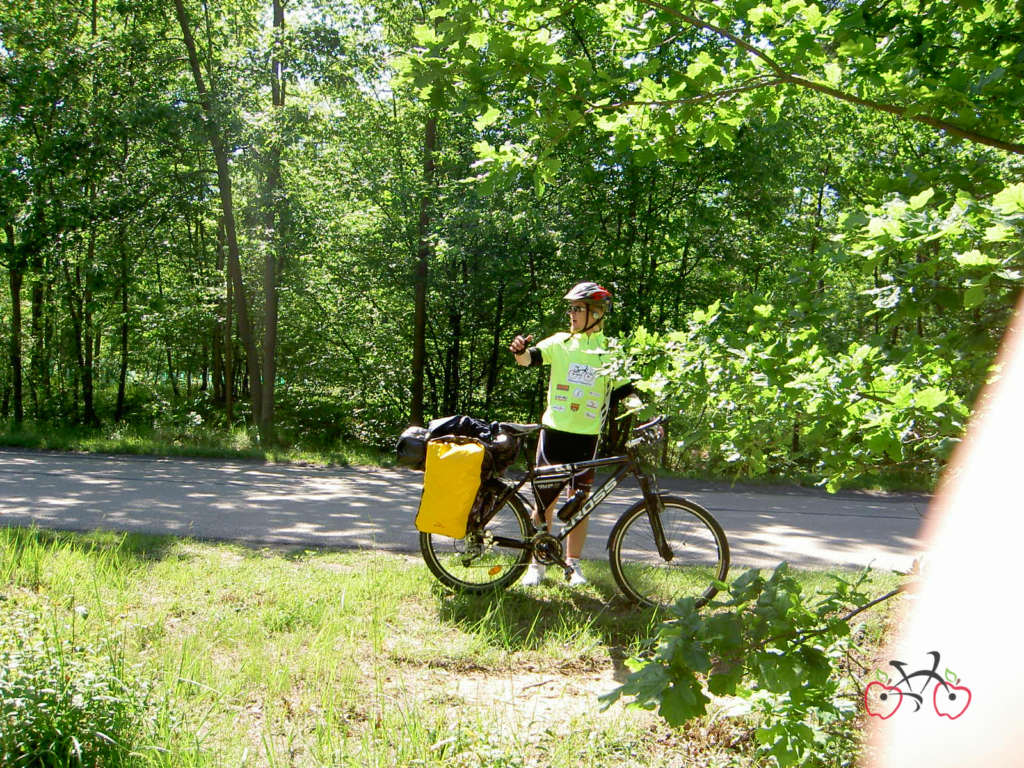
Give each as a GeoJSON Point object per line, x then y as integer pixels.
{"type": "Point", "coordinates": [518, 430]}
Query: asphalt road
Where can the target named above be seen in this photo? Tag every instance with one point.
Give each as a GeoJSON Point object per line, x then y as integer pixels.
{"type": "Point", "coordinates": [292, 506]}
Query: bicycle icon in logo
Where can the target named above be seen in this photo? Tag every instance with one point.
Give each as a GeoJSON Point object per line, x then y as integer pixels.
{"type": "Point", "coordinates": [949, 698]}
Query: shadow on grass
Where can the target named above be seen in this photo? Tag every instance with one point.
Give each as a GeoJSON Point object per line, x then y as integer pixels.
{"type": "Point", "coordinates": [524, 620]}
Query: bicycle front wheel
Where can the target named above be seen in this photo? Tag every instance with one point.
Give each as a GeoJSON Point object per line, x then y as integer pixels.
{"type": "Point", "coordinates": [697, 554]}
{"type": "Point", "coordinates": [491, 558]}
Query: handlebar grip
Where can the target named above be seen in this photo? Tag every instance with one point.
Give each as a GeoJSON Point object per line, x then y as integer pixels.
{"type": "Point", "coordinates": [652, 423]}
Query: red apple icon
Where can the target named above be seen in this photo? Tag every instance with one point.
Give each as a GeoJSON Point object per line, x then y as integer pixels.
{"type": "Point", "coordinates": [881, 700]}
{"type": "Point", "coordinates": [951, 700]}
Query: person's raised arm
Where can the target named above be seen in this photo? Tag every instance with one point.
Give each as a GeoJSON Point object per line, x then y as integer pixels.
{"type": "Point", "coordinates": [520, 347]}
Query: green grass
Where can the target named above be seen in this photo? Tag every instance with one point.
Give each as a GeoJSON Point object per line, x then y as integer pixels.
{"type": "Point", "coordinates": [233, 657]}
{"type": "Point", "coordinates": [185, 441]}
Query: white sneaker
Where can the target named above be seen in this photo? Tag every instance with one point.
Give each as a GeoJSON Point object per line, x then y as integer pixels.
{"type": "Point", "coordinates": [576, 577]}
{"type": "Point", "coordinates": [534, 575]}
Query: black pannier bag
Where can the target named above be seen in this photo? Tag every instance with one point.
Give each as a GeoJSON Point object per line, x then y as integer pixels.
{"type": "Point", "coordinates": [462, 426]}
{"type": "Point", "coordinates": [501, 447]}
{"type": "Point", "coordinates": [412, 447]}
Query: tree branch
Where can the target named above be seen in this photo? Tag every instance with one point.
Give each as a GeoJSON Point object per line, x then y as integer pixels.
{"type": "Point", "coordinates": [786, 77]}
{"type": "Point", "coordinates": [714, 95]}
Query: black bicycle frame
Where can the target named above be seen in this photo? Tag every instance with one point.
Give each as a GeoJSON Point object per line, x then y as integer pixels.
{"type": "Point", "coordinates": [557, 473]}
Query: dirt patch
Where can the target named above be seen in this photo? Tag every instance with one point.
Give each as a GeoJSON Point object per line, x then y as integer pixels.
{"type": "Point", "coordinates": [529, 701]}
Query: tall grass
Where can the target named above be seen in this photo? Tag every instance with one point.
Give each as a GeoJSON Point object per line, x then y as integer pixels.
{"type": "Point", "coordinates": [63, 703]}
{"type": "Point", "coordinates": [217, 655]}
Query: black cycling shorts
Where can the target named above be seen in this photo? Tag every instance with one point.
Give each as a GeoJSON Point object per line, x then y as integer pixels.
{"type": "Point", "coordinates": [557, 447]}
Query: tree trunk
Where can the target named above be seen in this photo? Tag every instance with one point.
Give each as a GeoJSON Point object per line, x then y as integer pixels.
{"type": "Point", "coordinates": [16, 273]}
{"type": "Point", "coordinates": [171, 374]}
{"type": "Point", "coordinates": [227, 209]}
{"type": "Point", "coordinates": [453, 360]}
{"type": "Point", "coordinates": [217, 334]}
{"type": "Point", "coordinates": [74, 299]}
{"type": "Point", "coordinates": [36, 366]}
{"type": "Point", "coordinates": [272, 225]}
{"type": "Point", "coordinates": [122, 377]}
{"type": "Point", "coordinates": [419, 340]}
{"type": "Point", "coordinates": [229, 374]}
{"type": "Point", "coordinates": [495, 358]}
{"type": "Point", "coordinates": [88, 332]}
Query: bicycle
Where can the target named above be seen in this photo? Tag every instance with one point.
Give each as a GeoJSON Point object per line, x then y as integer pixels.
{"type": "Point", "coordinates": [660, 549]}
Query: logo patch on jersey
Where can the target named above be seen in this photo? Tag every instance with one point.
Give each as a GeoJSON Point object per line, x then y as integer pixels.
{"type": "Point", "coordinates": [582, 374]}
{"type": "Point", "coordinates": [562, 387]}
{"type": "Point", "coordinates": [575, 407]}
{"type": "Point", "coordinates": [561, 398]}
{"type": "Point", "coordinates": [578, 394]}
{"type": "Point", "coordinates": [590, 415]}
{"type": "Point", "coordinates": [591, 404]}
{"type": "Point", "coordinates": [558, 408]}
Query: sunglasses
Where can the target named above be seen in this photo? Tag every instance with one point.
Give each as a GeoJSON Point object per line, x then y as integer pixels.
{"type": "Point", "coordinates": [574, 310]}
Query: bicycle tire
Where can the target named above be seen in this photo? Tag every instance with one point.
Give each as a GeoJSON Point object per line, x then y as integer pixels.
{"type": "Point", "coordinates": [699, 547]}
{"type": "Point", "coordinates": [496, 567]}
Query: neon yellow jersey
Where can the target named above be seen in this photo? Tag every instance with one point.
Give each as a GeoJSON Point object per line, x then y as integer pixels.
{"type": "Point", "coordinates": [577, 393]}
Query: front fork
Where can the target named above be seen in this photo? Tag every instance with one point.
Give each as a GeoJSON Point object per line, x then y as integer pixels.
{"type": "Point", "coordinates": [652, 500]}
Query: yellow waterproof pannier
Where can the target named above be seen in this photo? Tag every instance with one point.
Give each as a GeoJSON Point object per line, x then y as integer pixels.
{"type": "Point", "coordinates": [451, 480]}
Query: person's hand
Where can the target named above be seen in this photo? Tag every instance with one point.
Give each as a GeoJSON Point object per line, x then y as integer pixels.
{"type": "Point", "coordinates": [629, 405]}
{"type": "Point", "coordinates": [519, 344]}
{"type": "Point", "coordinates": [632, 404]}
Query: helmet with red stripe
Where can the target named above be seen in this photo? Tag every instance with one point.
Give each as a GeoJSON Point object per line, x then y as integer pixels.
{"type": "Point", "coordinates": [592, 293]}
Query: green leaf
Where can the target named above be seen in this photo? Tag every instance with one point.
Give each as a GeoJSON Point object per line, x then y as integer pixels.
{"type": "Point", "coordinates": [487, 118]}
{"type": "Point", "coordinates": [762, 13]}
{"type": "Point", "coordinates": [833, 73]}
{"type": "Point", "coordinates": [477, 40]}
{"type": "Point", "coordinates": [919, 201]}
{"type": "Point", "coordinates": [725, 678]}
{"type": "Point", "coordinates": [974, 258]}
{"type": "Point", "coordinates": [538, 182]}
{"type": "Point", "coordinates": [1010, 199]}
{"type": "Point", "coordinates": [998, 233]}
{"type": "Point", "coordinates": [930, 398]}
{"type": "Point", "coordinates": [974, 295]}
{"type": "Point", "coordinates": [647, 683]}
{"type": "Point", "coordinates": [702, 62]}
{"type": "Point", "coordinates": [425, 35]}
{"type": "Point", "coordinates": [682, 701]}
{"type": "Point", "coordinates": [551, 166]}
{"type": "Point", "coordinates": [777, 672]}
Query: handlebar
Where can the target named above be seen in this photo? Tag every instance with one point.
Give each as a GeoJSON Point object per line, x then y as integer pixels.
{"type": "Point", "coordinates": [648, 433]}
{"type": "Point", "coordinates": [649, 424]}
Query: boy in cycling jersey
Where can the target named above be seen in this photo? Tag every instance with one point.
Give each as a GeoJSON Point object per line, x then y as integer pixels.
{"type": "Point", "coordinates": [578, 402]}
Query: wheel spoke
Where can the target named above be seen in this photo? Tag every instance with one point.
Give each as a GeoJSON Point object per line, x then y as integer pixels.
{"type": "Point", "coordinates": [489, 559]}
{"type": "Point", "coordinates": [697, 543]}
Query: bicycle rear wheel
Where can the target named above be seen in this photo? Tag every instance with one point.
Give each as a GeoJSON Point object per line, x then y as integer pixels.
{"type": "Point", "coordinates": [490, 558]}
{"type": "Point", "coordinates": [699, 553]}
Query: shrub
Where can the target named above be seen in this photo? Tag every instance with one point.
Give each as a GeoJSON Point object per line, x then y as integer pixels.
{"type": "Point", "coordinates": [62, 704]}
{"type": "Point", "coordinates": [771, 643]}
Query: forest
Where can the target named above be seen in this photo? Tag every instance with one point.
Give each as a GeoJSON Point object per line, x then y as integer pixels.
{"type": "Point", "coordinates": [319, 221]}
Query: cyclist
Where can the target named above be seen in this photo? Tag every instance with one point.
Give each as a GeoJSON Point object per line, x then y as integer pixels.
{"type": "Point", "coordinates": [579, 398]}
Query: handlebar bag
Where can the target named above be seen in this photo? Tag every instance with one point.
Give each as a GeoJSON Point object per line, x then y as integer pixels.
{"type": "Point", "coordinates": [455, 467]}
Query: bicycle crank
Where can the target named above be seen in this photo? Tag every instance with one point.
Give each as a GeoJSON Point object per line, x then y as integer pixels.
{"type": "Point", "coordinates": [547, 550]}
